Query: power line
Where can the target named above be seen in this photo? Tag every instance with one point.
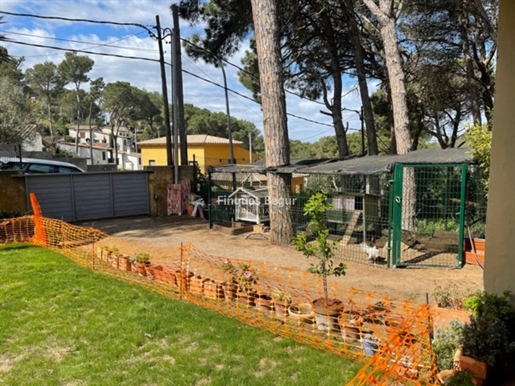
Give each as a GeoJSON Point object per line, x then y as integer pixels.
{"type": "Point", "coordinates": [79, 20]}
{"type": "Point", "coordinates": [121, 56]}
{"type": "Point", "coordinates": [83, 42]}
{"type": "Point", "coordinates": [247, 72]}
{"type": "Point", "coordinates": [157, 61]}
{"type": "Point", "coordinates": [82, 51]}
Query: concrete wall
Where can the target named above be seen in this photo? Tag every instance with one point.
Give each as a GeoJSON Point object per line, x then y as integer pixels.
{"type": "Point", "coordinates": [12, 192]}
{"type": "Point", "coordinates": [161, 177]}
{"type": "Point", "coordinates": [499, 272]}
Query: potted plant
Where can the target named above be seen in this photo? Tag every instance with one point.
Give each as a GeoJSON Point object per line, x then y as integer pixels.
{"type": "Point", "coordinates": [263, 302]}
{"type": "Point", "coordinates": [124, 262]}
{"type": "Point", "coordinates": [113, 257]}
{"type": "Point", "coordinates": [243, 277]}
{"type": "Point", "coordinates": [282, 301]}
{"type": "Point", "coordinates": [197, 285]}
{"type": "Point", "coordinates": [213, 289]}
{"type": "Point", "coordinates": [140, 263]}
{"type": "Point", "coordinates": [164, 274]}
{"type": "Point", "coordinates": [302, 312]}
{"type": "Point", "coordinates": [230, 286]}
{"type": "Point", "coordinates": [326, 309]}
{"type": "Point", "coordinates": [488, 340]}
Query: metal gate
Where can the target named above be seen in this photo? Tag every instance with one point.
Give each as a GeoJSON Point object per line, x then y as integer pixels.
{"type": "Point", "coordinates": [428, 214]}
{"type": "Point", "coordinates": [88, 196]}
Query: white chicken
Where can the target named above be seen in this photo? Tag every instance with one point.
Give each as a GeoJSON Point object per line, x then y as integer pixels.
{"type": "Point", "coordinates": [372, 251]}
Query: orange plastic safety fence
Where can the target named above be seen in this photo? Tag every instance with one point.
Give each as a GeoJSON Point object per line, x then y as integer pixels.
{"type": "Point", "coordinates": [390, 337]}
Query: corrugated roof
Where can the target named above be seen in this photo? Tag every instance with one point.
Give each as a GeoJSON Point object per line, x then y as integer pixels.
{"type": "Point", "coordinates": [385, 163]}
{"type": "Point", "coordinates": [357, 165]}
{"type": "Point", "coordinates": [194, 139]}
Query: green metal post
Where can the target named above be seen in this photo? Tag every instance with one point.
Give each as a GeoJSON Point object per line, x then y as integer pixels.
{"type": "Point", "coordinates": [397, 215]}
{"type": "Point", "coordinates": [390, 219]}
{"type": "Point", "coordinates": [463, 197]}
{"type": "Point", "coordinates": [209, 211]}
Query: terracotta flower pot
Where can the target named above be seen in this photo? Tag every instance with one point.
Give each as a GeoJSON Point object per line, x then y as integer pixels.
{"type": "Point", "coordinates": [140, 269]}
{"type": "Point", "coordinates": [246, 298]}
{"type": "Point", "coordinates": [197, 285]}
{"type": "Point", "coordinates": [183, 279]}
{"type": "Point", "coordinates": [326, 313]}
{"type": "Point", "coordinates": [350, 327]}
{"type": "Point", "coordinates": [229, 290]}
{"type": "Point", "coordinates": [302, 313]}
{"type": "Point", "coordinates": [124, 263]}
{"type": "Point", "coordinates": [281, 308]}
{"type": "Point", "coordinates": [213, 290]}
{"type": "Point", "coordinates": [164, 275]}
{"type": "Point", "coordinates": [463, 363]}
{"type": "Point", "coordinates": [263, 303]}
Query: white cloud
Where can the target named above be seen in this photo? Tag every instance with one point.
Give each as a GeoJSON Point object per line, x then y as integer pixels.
{"type": "Point", "coordinates": [145, 74]}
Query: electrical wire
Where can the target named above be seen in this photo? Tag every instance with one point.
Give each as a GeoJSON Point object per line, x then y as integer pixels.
{"type": "Point", "coordinates": [130, 57]}
{"type": "Point", "coordinates": [157, 61]}
{"type": "Point", "coordinates": [79, 20]}
{"type": "Point", "coordinates": [94, 45]}
{"type": "Point", "coordinates": [81, 51]}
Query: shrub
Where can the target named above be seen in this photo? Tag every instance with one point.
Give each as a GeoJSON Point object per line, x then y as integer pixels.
{"type": "Point", "coordinates": [448, 342]}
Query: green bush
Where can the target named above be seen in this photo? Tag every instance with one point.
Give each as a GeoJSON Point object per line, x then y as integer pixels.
{"type": "Point", "coordinates": [490, 335]}
{"type": "Point", "coordinates": [444, 348]}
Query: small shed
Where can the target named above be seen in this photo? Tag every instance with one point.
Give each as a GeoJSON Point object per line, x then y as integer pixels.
{"type": "Point", "coordinates": [250, 204]}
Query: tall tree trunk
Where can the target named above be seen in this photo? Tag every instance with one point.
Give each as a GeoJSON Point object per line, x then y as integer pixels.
{"type": "Point", "coordinates": [336, 74]}
{"type": "Point", "coordinates": [277, 148]}
{"type": "Point", "coordinates": [336, 114]}
{"type": "Point", "coordinates": [469, 66]}
{"type": "Point", "coordinates": [359, 55]}
{"type": "Point", "coordinates": [387, 23]}
{"type": "Point", "coordinates": [78, 124]}
{"type": "Point", "coordinates": [50, 126]}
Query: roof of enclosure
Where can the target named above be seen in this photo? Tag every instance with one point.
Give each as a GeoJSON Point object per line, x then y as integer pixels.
{"type": "Point", "coordinates": [260, 167]}
{"type": "Point", "coordinates": [358, 165]}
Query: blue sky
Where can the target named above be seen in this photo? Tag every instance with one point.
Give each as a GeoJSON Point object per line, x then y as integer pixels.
{"type": "Point", "coordinates": [135, 41]}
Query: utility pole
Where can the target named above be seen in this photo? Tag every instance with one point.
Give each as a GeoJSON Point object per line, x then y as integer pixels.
{"type": "Point", "coordinates": [179, 94]}
{"type": "Point", "coordinates": [169, 160]}
{"type": "Point", "coordinates": [250, 147]}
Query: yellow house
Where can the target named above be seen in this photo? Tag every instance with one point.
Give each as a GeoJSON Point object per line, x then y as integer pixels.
{"type": "Point", "coordinates": [208, 150]}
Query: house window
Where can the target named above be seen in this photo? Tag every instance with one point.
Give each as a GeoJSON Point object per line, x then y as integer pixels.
{"type": "Point", "coordinates": [139, 161]}
{"type": "Point", "coordinates": [151, 162]}
{"type": "Point", "coordinates": [103, 156]}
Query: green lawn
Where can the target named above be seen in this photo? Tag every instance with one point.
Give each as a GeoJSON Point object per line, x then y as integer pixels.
{"type": "Point", "coordinates": [61, 324]}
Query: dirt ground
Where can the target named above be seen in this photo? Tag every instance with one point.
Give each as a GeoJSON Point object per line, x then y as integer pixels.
{"type": "Point", "coordinates": [407, 283]}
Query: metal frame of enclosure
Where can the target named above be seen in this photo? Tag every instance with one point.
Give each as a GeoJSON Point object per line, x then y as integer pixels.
{"type": "Point", "coordinates": [415, 209]}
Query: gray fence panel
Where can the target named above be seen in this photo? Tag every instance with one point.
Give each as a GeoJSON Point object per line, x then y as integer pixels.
{"type": "Point", "coordinates": [54, 194]}
{"type": "Point", "coordinates": [93, 198]}
{"type": "Point", "coordinates": [89, 196]}
{"type": "Point", "coordinates": [130, 192]}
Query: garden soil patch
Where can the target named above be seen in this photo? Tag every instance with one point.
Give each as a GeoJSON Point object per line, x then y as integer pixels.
{"type": "Point", "coordinates": [407, 283]}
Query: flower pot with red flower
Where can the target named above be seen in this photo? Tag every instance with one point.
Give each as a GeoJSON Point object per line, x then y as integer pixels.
{"type": "Point", "coordinates": [244, 277]}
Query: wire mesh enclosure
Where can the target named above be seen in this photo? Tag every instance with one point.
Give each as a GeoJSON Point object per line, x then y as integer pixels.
{"type": "Point", "coordinates": [390, 211]}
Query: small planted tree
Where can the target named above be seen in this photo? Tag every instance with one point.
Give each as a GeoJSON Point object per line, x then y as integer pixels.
{"type": "Point", "coordinates": [322, 248]}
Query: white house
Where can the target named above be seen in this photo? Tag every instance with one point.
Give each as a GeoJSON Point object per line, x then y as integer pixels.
{"type": "Point", "coordinates": [124, 140]}
{"type": "Point", "coordinates": [129, 160]}
{"type": "Point", "coordinates": [102, 153]}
